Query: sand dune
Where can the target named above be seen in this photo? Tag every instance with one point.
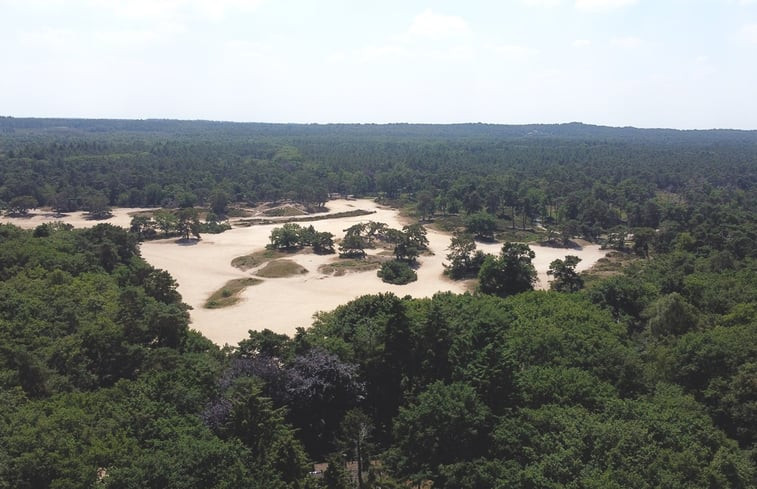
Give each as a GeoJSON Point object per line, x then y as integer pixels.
{"type": "Point", "coordinates": [283, 304]}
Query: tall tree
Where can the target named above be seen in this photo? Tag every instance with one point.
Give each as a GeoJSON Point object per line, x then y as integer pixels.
{"type": "Point", "coordinates": [510, 273]}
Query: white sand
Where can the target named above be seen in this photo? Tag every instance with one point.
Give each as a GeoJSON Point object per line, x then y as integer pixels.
{"type": "Point", "coordinates": [121, 217]}
{"type": "Point", "coordinates": [283, 304]}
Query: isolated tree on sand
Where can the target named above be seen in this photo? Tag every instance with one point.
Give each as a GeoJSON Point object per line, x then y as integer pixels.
{"type": "Point", "coordinates": [188, 222]}
{"type": "Point", "coordinates": [510, 273]}
{"type": "Point", "coordinates": [565, 277]}
{"type": "Point", "coordinates": [464, 259]}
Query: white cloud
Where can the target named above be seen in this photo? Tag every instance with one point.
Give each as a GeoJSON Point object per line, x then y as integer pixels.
{"type": "Point", "coordinates": [749, 33]}
{"type": "Point", "coordinates": [438, 26]}
{"type": "Point", "coordinates": [628, 42]}
{"type": "Point", "coordinates": [602, 5]}
{"type": "Point", "coordinates": [581, 43]}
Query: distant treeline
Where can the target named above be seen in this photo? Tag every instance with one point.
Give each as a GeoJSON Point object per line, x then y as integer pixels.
{"type": "Point", "coordinates": [585, 177]}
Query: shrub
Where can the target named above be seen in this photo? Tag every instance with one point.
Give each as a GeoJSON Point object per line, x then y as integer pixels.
{"type": "Point", "coordinates": [397, 273]}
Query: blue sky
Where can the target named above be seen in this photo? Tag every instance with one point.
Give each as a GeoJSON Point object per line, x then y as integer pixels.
{"type": "Point", "coordinates": [645, 63]}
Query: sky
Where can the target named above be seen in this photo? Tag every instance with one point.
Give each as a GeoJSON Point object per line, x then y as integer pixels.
{"type": "Point", "coordinates": [687, 64]}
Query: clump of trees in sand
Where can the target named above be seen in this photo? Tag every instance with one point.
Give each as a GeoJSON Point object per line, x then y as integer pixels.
{"type": "Point", "coordinates": [184, 223]}
{"type": "Point", "coordinates": [291, 236]}
{"type": "Point", "coordinates": [406, 244]}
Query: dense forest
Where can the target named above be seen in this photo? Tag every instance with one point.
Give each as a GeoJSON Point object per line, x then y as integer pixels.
{"type": "Point", "coordinates": [646, 377]}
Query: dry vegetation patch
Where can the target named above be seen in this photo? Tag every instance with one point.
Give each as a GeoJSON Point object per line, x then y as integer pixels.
{"type": "Point", "coordinates": [343, 266]}
{"type": "Point", "coordinates": [280, 269]}
{"type": "Point", "coordinates": [228, 295]}
{"type": "Point", "coordinates": [612, 264]}
{"type": "Point", "coordinates": [246, 262]}
{"type": "Point", "coordinates": [284, 211]}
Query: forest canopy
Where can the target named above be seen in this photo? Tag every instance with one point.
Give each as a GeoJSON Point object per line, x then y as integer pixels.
{"type": "Point", "coordinates": [643, 377]}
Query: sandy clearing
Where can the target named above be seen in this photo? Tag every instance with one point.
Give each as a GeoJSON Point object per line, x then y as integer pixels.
{"type": "Point", "coordinates": [121, 217]}
{"type": "Point", "coordinates": [283, 304]}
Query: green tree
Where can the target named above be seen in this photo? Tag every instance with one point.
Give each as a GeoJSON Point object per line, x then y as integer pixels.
{"type": "Point", "coordinates": [219, 201]}
{"type": "Point", "coordinates": [482, 225]}
{"type": "Point", "coordinates": [397, 272]}
{"type": "Point", "coordinates": [20, 205]}
{"type": "Point", "coordinates": [671, 315]}
{"type": "Point", "coordinates": [447, 424]}
{"type": "Point", "coordinates": [463, 257]}
{"type": "Point", "coordinates": [355, 437]}
{"type": "Point", "coordinates": [323, 243]}
{"type": "Point", "coordinates": [96, 205]}
{"type": "Point", "coordinates": [510, 273]}
{"type": "Point", "coordinates": [286, 237]}
{"type": "Point", "coordinates": [426, 206]}
{"type": "Point", "coordinates": [166, 221]}
{"type": "Point", "coordinates": [188, 223]}
{"type": "Point", "coordinates": [335, 476]}
{"type": "Point", "coordinates": [352, 246]}
{"type": "Point", "coordinates": [565, 277]}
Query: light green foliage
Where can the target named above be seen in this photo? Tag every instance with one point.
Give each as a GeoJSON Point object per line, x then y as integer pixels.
{"type": "Point", "coordinates": [482, 225]}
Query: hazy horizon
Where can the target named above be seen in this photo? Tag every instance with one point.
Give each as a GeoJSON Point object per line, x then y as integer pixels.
{"type": "Point", "coordinates": [617, 63]}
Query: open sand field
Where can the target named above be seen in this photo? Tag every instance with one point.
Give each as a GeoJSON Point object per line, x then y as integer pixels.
{"type": "Point", "coordinates": [121, 217]}
{"type": "Point", "coordinates": [283, 304]}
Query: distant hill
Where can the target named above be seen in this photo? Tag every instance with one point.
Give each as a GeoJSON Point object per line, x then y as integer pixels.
{"type": "Point", "coordinates": [572, 130]}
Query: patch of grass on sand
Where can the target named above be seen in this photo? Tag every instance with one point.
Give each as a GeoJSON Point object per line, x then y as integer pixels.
{"type": "Point", "coordinates": [280, 269]}
{"type": "Point", "coordinates": [256, 259]}
{"type": "Point", "coordinates": [284, 211]}
{"type": "Point", "coordinates": [610, 265]}
{"type": "Point", "coordinates": [343, 266]}
{"type": "Point", "coordinates": [245, 223]}
{"type": "Point", "coordinates": [228, 295]}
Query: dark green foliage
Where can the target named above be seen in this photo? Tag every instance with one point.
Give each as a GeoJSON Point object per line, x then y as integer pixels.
{"type": "Point", "coordinates": [336, 476]}
{"type": "Point", "coordinates": [509, 273]}
{"type": "Point", "coordinates": [352, 246]}
{"type": "Point", "coordinates": [644, 380]}
{"type": "Point", "coordinates": [291, 236]}
{"type": "Point", "coordinates": [397, 272]}
{"type": "Point", "coordinates": [482, 225]}
{"type": "Point", "coordinates": [286, 237]}
{"type": "Point", "coordinates": [565, 277]}
{"type": "Point", "coordinates": [447, 424]}
{"type": "Point", "coordinates": [104, 381]}
{"type": "Point", "coordinates": [464, 260]}
{"type": "Point", "coordinates": [20, 205]}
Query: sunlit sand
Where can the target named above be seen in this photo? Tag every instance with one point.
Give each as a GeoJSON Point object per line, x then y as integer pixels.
{"type": "Point", "coordinates": [284, 304]}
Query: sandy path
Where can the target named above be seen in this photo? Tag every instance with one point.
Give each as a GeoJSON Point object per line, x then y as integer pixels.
{"type": "Point", "coordinates": [284, 304]}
